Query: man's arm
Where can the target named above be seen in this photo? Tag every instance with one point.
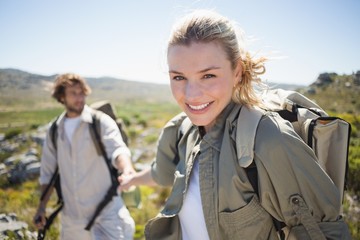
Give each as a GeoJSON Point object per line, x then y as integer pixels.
{"type": "Point", "coordinates": [39, 218]}
{"type": "Point", "coordinates": [124, 165]}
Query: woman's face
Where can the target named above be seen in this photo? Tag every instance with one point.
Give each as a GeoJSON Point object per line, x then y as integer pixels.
{"type": "Point", "coordinates": [201, 80]}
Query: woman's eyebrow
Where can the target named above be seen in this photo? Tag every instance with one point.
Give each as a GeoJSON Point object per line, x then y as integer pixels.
{"type": "Point", "coordinates": [201, 71]}
{"type": "Point", "coordinates": [209, 68]}
{"type": "Point", "coordinates": [174, 71]}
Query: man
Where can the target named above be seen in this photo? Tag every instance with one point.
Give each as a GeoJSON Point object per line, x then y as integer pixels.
{"type": "Point", "coordinates": [85, 177]}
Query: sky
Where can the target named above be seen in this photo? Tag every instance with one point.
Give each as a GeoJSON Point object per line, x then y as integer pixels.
{"type": "Point", "coordinates": [127, 39]}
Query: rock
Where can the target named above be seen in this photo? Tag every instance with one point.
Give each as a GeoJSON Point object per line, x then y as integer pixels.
{"type": "Point", "coordinates": [10, 227]}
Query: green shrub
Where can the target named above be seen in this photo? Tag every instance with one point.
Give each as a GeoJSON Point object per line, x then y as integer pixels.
{"type": "Point", "coordinates": [152, 138]}
{"type": "Point", "coordinates": [12, 133]}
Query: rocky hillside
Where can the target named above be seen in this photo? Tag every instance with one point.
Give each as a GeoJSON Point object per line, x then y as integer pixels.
{"type": "Point", "coordinates": [21, 89]}
{"type": "Point", "coordinates": [336, 93]}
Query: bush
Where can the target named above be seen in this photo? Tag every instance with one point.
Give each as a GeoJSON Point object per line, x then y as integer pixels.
{"type": "Point", "coordinates": [12, 133]}
{"type": "Point", "coordinates": [151, 138]}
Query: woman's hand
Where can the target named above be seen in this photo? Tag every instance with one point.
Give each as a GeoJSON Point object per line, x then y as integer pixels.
{"type": "Point", "coordinates": [127, 180]}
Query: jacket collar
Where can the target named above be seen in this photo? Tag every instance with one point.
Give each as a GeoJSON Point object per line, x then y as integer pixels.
{"type": "Point", "coordinates": [228, 116]}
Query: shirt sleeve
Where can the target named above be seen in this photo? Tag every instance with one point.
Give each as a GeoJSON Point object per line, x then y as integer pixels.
{"type": "Point", "coordinates": [163, 167]}
{"type": "Point", "coordinates": [286, 167]}
{"type": "Point", "coordinates": [48, 160]}
{"type": "Point", "coordinates": [112, 140]}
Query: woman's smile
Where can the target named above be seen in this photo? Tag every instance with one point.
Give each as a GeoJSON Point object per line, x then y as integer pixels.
{"type": "Point", "coordinates": [199, 107]}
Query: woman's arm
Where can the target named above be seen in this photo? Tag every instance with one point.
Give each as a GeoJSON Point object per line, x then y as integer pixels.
{"type": "Point", "coordinates": [139, 178]}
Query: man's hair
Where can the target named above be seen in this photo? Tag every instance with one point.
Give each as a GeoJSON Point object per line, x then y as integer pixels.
{"type": "Point", "coordinates": [67, 80]}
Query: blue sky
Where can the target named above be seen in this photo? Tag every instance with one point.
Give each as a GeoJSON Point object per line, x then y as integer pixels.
{"type": "Point", "coordinates": [127, 39]}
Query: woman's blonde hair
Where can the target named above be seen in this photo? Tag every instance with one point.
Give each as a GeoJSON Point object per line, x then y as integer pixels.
{"type": "Point", "coordinates": [206, 26]}
{"type": "Point", "coordinates": [67, 80]}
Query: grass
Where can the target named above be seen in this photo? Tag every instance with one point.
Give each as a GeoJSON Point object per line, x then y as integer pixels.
{"type": "Point", "coordinates": [139, 117]}
{"type": "Point", "coordinates": [23, 199]}
{"type": "Point", "coordinates": [26, 120]}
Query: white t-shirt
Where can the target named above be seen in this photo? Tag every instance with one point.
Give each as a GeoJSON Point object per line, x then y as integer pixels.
{"type": "Point", "coordinates": [70, 124]}
{"type": "Point", "coordinates": [191, 214]}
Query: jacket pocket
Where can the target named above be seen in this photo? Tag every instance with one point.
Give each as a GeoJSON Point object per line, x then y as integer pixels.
{"type": "Point", "coordinates": [248, 222]}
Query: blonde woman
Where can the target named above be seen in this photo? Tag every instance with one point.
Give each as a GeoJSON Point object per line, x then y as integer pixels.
{"type": "Point", "coordinates": [211, 78]}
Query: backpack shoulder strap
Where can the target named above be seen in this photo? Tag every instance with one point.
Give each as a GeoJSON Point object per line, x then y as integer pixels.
{"type": "Point", "coordinates": [245, 136]}
{"type": "Point", "coordinates": [54, 182]}
{"type": "Point", "coordinates": [245, 142]}
{"type": "Point", "coordinates": [95, 132]}
{"type": "Point", "coordinates": [53, 132]}
{"type": "Point", "coordinates": [55, 179]}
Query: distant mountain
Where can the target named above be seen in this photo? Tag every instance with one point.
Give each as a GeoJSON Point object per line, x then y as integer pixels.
{"type": "Point", "coordinates": [333, 92]}
{"type": "Point", "coordinates": [19, 88]}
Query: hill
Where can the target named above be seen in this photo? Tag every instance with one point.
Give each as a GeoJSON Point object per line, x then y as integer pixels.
{"type": "Point", "coordinates": [23, 90]}
{"type": "Point", "coordinates": [336, 93]}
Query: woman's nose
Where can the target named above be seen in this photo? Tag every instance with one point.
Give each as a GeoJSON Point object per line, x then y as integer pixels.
{"type": "Point", "coordinates": [193, 90]}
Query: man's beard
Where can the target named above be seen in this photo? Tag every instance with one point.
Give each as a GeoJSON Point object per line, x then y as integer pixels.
{"type": "Point", "coordinates": [74, 110]}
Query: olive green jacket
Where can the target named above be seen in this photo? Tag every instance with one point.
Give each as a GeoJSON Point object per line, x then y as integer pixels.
{"type": "Point", "coordinates": [292, 186]}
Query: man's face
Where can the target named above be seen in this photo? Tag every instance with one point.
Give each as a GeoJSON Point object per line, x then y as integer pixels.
{"type": "Point", "coordinates": [74, 100]}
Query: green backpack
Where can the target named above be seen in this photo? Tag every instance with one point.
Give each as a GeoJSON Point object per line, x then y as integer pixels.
{"type": "Point", "coordinates": [327, 136]}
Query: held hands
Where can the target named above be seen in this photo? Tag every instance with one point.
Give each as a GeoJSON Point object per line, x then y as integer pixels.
{"type": "Point", "coordinates": [126, 181]}
{"type": "Point", "coordinates": [133, 179]}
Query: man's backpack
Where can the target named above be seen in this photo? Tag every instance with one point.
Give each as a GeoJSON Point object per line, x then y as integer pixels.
{"type": "Point", "coordinates": [327, 136]}
{"type": "Point", "coordinates": [106, 107]}
{"type": "Point", "coordinates": [100, 107]}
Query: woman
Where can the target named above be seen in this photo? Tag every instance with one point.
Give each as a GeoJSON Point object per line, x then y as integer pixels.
{"type": "Point", "coordinates": [211, 78]}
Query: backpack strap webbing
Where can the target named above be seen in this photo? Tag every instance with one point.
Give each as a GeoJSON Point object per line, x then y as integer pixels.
{"type": "Point", "coordinates": [56, 177]}
{"type": "Point", "coordinates": [245, 142]}
{"type": "Point", "coordinates": [95, 132]}
{"type": "Point", "coordinates": [49, 221]}
{"type": "Point", "coordinates": [54, 182]}
{"type": "Point", "coordinates": [245, 136]}
{"type": "Point", "coordinates": [251, 117]}
{"type": "Point", "coordinates": [112, 191]}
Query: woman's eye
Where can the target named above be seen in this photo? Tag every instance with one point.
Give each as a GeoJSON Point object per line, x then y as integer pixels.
{"type": "Point", "coordinates": [209, 76]}
{"type": "Point", "coordinates": [178, 78]}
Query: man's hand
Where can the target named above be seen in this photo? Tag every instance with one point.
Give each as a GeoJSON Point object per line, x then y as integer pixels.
{"type": "Point", "coordinates": [40, 218]}
{"type": "Point", "coordinates": [126, 181]}
{"type": "Point", "coordinates": [136, 179]}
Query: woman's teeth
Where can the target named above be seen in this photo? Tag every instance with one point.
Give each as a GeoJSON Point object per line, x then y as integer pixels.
{"type": "Point", "coordinates": [199, 107]}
